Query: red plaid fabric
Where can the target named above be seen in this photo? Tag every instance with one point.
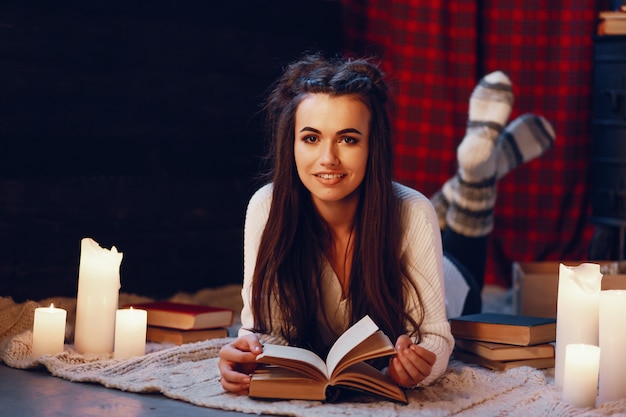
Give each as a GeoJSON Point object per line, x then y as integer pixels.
{"type": "Point", "coordinates": [434, 53]}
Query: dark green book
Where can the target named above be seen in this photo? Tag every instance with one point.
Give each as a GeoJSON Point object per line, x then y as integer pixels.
{"type": "Point", "coordinates": [504, 328]}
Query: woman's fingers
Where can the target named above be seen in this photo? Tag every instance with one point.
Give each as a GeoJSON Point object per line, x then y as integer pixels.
{"type": "Point", "coordinates": [411, 365]}
{"type": "Point", "coordinates": [237, 362]}
{"type": "Point", "coordinates": [427, 356]}
{"type": "Point", "coordinates": [235, 382]}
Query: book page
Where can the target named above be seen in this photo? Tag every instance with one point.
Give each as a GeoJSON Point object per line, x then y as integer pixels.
{"type": "Point", "coordinates": [294, 358]}
{"type": "Point", "coordinates": [375, 346]}
{"type": "Point", "coordinates": [364, 377]}
{"type": "Point", "coordinates": [354, 336]}
{"type": "Point", "coordinates": [275, 382]}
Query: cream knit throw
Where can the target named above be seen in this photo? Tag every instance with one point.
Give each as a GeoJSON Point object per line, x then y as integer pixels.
{"type": "Point", "coordinates": [189, 373]}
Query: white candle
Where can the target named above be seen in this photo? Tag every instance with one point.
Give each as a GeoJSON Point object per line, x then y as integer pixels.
{"type": "Point", "coordinates": [97, 299]}
{"type": "Point", "coordinates": [580, 377]}
{"type": "Point", "coordinates": [577, 310]}
{"type": "Point", "coordinates": [612, 345]}
{"type": "Point", "coordinates": [130, 333]}
{"type": "Point", "coordinates": [48, 331]}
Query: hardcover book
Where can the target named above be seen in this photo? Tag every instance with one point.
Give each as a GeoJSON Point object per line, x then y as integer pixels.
{"type": "Point", "coordinates": [539, 363]}
{"type": "Point", "coordinates": [505, 352]}
{"type": "Point", "coordinates": [178, 337]}
{"type": "Point", "coordinates": [504, 328]}
{"type": "Point", "coordinates": [295, 373]}
{"type": "Point", "coordinates": [186, 316]}
{"type": "Point", "coordinates": [612, 27]}
{"type": "Point", "coordinates": [612, 22]}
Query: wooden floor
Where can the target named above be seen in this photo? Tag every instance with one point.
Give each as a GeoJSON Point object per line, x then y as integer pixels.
{"type": "Point", "coordinates": [36, 393]}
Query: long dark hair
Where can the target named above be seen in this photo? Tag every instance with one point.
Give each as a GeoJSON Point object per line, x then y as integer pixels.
{"type": "Point", "coordinates": [287, 276]}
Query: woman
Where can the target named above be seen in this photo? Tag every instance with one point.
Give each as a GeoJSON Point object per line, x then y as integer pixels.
{"type": "Point", "coordinates": [332, 238]}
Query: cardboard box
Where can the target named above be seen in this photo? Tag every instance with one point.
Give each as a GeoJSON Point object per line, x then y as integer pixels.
{"type": "Point", "coordinates": [535, 285]}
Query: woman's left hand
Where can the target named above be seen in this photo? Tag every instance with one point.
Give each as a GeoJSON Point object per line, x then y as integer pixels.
{"type": "Point", "coordinates": [411, 364]}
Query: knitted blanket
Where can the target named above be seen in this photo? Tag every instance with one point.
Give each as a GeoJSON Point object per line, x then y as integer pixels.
{"type": "Point", "coordinates": [189, 373]}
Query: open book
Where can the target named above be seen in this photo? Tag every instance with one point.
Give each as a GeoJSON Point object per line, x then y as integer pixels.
{"type": "Point", "coordinates": [295, 373]}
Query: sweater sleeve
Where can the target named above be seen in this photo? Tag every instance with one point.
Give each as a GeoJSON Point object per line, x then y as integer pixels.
{"type": "Point", "coordinates": [422, 254]}
{"type": "Point", "coordinates": [257, 214]}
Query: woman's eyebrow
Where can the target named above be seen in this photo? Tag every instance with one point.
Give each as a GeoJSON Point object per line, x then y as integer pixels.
{"type": "Point", "coordinates": [340, 132]}
{"type": "Point", "coordinates": [349, 130]}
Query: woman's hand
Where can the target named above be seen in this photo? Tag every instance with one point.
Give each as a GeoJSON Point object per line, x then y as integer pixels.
{"type": "Point", "coordinates": [238, 361]}
{"type": "Point", "coordinates": [411, 364]}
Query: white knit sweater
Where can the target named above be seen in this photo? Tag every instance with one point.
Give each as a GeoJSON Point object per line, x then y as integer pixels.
{"type": "Point", "coordinates": [421, 251]}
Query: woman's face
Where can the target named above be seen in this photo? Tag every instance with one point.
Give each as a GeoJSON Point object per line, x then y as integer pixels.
{"type": "Point", "coordinates": [331, 146]}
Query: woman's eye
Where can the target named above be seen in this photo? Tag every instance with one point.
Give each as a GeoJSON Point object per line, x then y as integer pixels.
{"type": "Point", "coordinates": [310, 139]}
{"type": "Point", "coordinates": [348, 139]}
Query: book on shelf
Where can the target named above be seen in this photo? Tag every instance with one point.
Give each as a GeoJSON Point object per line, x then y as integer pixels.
{"type": "Point", "coordinates": [539, 363]}
{"type": "Point", "coordinates": [288, 372]}
{"type": "Point", "coordinates": [504, 328]}
{"type": "Point", "coordinates": [612, 15]}
{"type": "Point", "coordinates": [612, 27]}
{"type": "Point", "coordinates": [503, 351]}
{"type": "Point", "coordinates": [612, 22]}
{"type": "Point", "coordinates": [178, 337]}
{"type": "Point", "coordinates": [186, 316]}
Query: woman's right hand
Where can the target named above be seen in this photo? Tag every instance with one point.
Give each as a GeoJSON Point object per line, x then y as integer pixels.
{"type": "Point", "coordinates": [238, 361]}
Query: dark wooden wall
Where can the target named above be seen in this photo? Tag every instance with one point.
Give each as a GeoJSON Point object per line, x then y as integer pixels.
{"type": "Point", "coordinates": [138, 127]}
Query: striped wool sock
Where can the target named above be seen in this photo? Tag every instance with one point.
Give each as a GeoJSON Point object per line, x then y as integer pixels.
{"type": "Point", "coordinates": [489, 109]}
{"type": "Point", "coordinates": [525, 138]}
{"type": "Point", "coordinates": [441, 205]}
{"type": "Point", "coordinates": [470, 209]}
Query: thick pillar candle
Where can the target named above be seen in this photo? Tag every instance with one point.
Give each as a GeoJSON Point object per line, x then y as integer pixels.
{"type": "Point", "coordinates": [48, 331]}
{"type": "Point", "coordinates": [130, 333]}
{"type": "Point", "coordinates": [577, 310]}
{"type": "Point", "coordinates": [612, 345]}
{"type": "Point", "coordinates": [580, 376]}
{"type": "Point", "coordinates": [97, 299]}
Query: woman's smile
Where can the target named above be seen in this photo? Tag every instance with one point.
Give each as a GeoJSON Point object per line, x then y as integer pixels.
{"type": "Point", "coordinates": [330, 179]}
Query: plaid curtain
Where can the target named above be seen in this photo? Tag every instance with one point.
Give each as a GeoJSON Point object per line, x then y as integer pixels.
{"type": "Point", "coordinates": [434, 52]}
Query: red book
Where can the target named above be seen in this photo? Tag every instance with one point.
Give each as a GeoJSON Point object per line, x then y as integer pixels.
{"type": "Point", "coordinates": [178, 337]}
{"type": "Point", "coordinates": [186, 316]}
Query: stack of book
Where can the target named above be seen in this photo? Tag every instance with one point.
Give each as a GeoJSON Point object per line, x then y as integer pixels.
{"type": "Point", "coordinates": [612, 22]}
{"type": "Point", "coordinates": [503, 341]}
{"type": "Point", "coordinates": [178, 323]}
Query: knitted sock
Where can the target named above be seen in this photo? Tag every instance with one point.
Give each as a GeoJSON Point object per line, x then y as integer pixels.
{"type": "Point", "coordinates": [524, 139]}
{"type": "Point", "coordinates": [489, 109]}
{"type": "Point", "coordinates": [441, 204]}
{"type": "Point", "coordinates": [470, 210]}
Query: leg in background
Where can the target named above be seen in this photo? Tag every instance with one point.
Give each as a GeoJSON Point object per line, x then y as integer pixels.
{"type": "Point", "coordinates": [525, 138]}
{"type": "Point", "coordinates": [466, 202]}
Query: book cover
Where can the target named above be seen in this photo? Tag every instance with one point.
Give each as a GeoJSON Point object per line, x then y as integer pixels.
{"type": "Point", "coordinates": [186, 316]}
{"type": "Point", "coordinates": [505, 352]}
{"type": "Point", "coordinates": [504, 328]}
{"type": "Point", "coordinates": [539, 363]}
{"type": "Point", "coordinates": [612, 14]}
{"type": "Point", "coordinates": [178, 337]}
{"type": "Point", "coordinates": [295, 373]}
{"type": "Point", "coordinates": [612, 27]}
